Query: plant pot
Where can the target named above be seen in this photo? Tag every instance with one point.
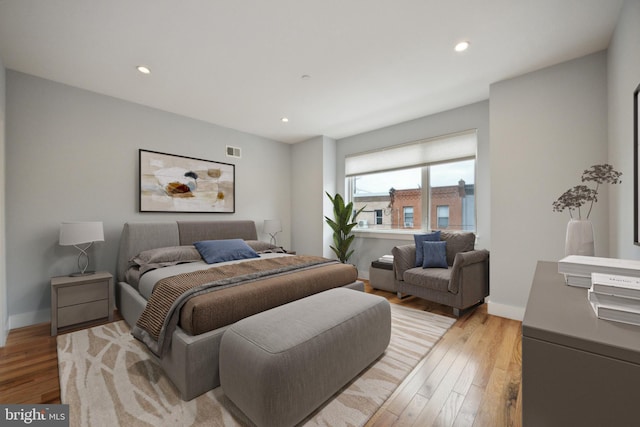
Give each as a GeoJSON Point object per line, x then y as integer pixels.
{"type": "Point", "coordinates": [579, 239]}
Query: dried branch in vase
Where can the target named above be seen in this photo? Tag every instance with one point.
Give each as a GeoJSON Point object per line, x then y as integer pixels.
{"type": "Point", "coordinates": [576, 197]}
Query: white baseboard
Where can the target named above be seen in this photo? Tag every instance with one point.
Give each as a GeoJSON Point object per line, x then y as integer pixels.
{"type": "Point", "coordinates": [504, 310]}
{"type": "Point", "coordinates": [4, 332]}
{"type": "Point", "coordinates": [28, 319]}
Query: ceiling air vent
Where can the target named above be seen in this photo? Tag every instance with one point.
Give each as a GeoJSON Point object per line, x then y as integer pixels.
{"type": "Point", "coordinates": [233, 152]}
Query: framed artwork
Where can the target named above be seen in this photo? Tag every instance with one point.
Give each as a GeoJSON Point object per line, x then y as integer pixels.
{"type": "Point", "coordinates": [174, 183]}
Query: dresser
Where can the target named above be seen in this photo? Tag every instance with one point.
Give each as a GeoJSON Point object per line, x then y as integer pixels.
{"type": "Point", "coordinates": [76, 300]}
{"type": "Point", "coordinates": [577, 370]}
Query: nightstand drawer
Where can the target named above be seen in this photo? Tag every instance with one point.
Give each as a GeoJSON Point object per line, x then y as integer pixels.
{"type": "Point", "coordinates": [82, 312]}
{"type": "Point", "coordinates": [78, 294]}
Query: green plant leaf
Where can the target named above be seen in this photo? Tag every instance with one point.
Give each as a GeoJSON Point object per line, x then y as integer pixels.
{"type": "Point", "coordinates": [343, 222]}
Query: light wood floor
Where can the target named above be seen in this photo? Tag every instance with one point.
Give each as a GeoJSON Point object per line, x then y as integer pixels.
{"type": "Point", "coordinates": [470, 378]}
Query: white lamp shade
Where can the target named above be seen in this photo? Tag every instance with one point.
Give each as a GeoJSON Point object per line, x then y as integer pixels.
{"type": "Point", "coordinates": [272, 226]}
{"type": "Point", "coordinates": [75, 233]}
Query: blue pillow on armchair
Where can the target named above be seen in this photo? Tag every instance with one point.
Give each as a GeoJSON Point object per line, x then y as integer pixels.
{"type": "Point", "coordinates": [435, 255]}
{"type": "Point", "coordinates": [419, 238]}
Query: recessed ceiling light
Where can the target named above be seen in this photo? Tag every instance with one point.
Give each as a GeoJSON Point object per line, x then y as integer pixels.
{"type": "Point", "coordinates": [462, 46]}
{"type": "Point", "coordinates": [143, 69]}
{"type": "Point", "coordinates": [284, 120]}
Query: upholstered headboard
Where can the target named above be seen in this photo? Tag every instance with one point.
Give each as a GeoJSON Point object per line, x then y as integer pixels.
{"type": "Point", "coordinates": [141, 236]}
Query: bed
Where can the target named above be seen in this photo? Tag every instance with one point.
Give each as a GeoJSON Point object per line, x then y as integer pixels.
{"type": "Point", "coordinates": [189, 355]}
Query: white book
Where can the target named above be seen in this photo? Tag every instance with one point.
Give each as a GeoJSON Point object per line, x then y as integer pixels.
{"type": "Point", "coordinates": [614, 300]}
{"type": "Point", "coordinates": [579, 281]}
{"type": "Point", "coordinates": [580, 265]}
{"type": "Point", "coordinates": [619, 312]}
{"type": "Point", "coordinates": [386, 258]}
{"type": "Point", "coordinates": [612, 284]}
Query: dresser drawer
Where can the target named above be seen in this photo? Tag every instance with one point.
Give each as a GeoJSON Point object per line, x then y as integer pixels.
{"type": "Point", "coordinates": [82, 312]}
{"type": "Point", "coordinates": [82, 293]}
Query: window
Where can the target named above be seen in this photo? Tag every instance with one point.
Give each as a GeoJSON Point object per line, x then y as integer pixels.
{"type": "Point", "coordinates": [407, 214]}
{"type": "Point", "coordinates": [443, 216]}
{"type": "Point", "coordinates": [378, 214]}
{"type": "Point", "coordinates": [426, 185]}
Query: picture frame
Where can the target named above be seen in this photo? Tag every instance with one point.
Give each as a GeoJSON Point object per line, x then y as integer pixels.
{"type": "Point", "coordinates": [176, 183]}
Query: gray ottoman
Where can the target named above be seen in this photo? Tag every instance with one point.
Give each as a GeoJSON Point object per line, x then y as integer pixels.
{"type": "Point", "coordinates": [280, 365]}
{"type": "Point", "coordinates": [381, 276]}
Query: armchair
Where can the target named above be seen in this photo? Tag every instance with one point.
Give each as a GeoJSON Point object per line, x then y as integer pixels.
{"type": "Point", "coordinates": [463, 284]}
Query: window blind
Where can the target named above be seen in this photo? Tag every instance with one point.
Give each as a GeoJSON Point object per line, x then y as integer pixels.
{"type": "Point", "coordinates": [459, 146]}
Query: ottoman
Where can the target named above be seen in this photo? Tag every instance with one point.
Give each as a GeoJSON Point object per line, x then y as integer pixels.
{"type": "Point", "coordinates": [280, 365]}
{"type": "Point", "coordinates": [381, 276]}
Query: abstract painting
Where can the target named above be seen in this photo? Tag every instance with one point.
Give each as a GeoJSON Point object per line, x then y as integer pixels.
{"type": "Point", "coordinates": [174, 183]}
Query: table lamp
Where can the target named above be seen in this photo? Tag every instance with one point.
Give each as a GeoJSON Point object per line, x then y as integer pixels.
{"type": "Point", "coordinates": [81, 233]}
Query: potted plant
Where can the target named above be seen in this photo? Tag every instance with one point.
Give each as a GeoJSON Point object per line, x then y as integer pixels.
{"type": "Point", "coordinates": [342, 224]}
{"type": "Point", "coordinates": [579, 240]}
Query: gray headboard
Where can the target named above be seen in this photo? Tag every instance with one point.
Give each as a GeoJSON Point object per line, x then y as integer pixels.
{"type": "Point", "coordinates": [141, 236]}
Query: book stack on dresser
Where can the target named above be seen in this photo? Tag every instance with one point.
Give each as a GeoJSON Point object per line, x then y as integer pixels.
{"type": "Point", "coordinates": [616, 298]}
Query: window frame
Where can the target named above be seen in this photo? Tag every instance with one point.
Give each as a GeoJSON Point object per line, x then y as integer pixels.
{"type": "Point", "coordinates": [426, 199]}
{"type": "Point", "coordinates": [438, 216]}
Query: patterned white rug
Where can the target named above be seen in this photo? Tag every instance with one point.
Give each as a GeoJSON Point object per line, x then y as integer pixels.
{"type": "Point", "coordinates": [108, 378]}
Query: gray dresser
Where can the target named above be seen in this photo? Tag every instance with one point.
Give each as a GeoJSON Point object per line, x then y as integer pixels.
{"type": "Point", "coordinates": [577, 370]}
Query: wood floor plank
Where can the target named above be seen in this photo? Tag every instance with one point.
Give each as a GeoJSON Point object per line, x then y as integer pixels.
{"type": "Point", "coordinates": [412, 384]}
{"type": "Point", "coordinates": [439, 388]}
{"type": "Point", "coordinates": [497, 401]}
{"type": "Point", "coordinates": [469, 409]}
{"type": "Point", "coordinates": [480, 352]}
{"type": "Point", "coordinates": [386, 419]}
{"type": "Point", "coordinates": [449, 410]}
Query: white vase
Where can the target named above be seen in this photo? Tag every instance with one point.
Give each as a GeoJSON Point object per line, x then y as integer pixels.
{"type": "Point", "coordinates": [579, 239]}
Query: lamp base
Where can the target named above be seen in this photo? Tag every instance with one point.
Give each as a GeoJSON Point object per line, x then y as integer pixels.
{"type": "Point", "coordinates": [80, 273]}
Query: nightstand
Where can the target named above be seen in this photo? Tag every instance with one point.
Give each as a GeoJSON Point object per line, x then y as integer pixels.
{"type": "Point", "coordinates": [76, 300]}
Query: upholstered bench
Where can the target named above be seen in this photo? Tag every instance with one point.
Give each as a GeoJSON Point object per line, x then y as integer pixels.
{"type": "Point", "coordinates": [280, 365]}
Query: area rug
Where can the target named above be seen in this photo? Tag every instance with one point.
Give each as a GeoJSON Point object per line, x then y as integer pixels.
{"type": "Point", "coordinates": [108, 378]}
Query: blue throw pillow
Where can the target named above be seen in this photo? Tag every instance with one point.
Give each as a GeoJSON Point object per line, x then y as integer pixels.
{"type": "Point", "coordinates": [435, 255]}
{"type": "Point", "coordinates": [419, 238]}
{"type": "Point", "coordinates": [213, 251]}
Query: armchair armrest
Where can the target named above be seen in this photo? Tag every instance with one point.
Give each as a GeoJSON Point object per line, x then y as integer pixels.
{"type": "Point", "coordinates": [462, 260]}
{"type": "Point", "coordinates": [404, 258]}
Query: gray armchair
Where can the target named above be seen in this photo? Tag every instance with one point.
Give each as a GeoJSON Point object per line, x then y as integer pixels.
{"type": "Point", "coordinates": [464, 284]}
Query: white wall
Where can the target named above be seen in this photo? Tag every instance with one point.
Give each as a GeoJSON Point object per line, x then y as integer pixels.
{"type": "Point", "coordinates": [73, 155]}
{"type": "Point", "coordinates": [623, 77]}
{"type": "Point", "coordinates": [312, 174]}
{"type": "Point", "coordinates": [474, 116]}
{"type": "Point", "coordinates": [3, 264]}
{"type": "Point", "coordinates": [546, 128]}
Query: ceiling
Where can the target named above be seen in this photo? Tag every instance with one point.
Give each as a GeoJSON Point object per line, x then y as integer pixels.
{"type": "Point", "coordinates": [239, 63]}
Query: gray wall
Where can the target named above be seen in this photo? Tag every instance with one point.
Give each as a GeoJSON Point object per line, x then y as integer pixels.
{"type": "Point", "coordinates": [73, 155]}
{"type": "Point", "coordinates": [474, 116]}
{"type": "Point", "coordinates": [546, 128]}
{"type": "Point", "coordinates": [329, 149]}
{"type": "Point", "coordinates": [306, 200]}
{"type": "Point", "coordinates": [313, 173]}
{"type": "Point", "coordinates": [3, 260]}
{"type": "Point", "coordinates": [623, 73]}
